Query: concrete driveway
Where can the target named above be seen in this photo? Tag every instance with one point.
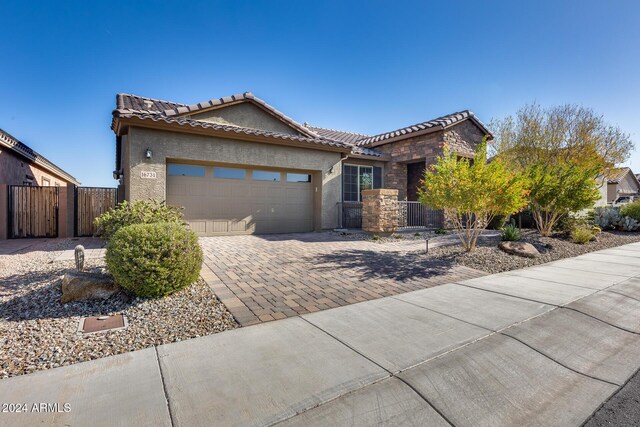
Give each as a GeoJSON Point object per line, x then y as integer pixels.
{"type": "Point", "coordinates": [543, 346]}
{"type": "Point", "coordinates": [263, 278]}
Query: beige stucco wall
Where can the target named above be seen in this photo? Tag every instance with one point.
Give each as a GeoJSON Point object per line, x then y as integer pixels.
{"type": "Point", "coordinates": [603, 189]}
{"type": "Point", "coordinates": [246, 115]}
{"type": "Point", "coordinates": [14, 170]}
{"type": "Point", "coordinates": [626, 187]}
{"type": "Point", "coordinates": [206, 149]}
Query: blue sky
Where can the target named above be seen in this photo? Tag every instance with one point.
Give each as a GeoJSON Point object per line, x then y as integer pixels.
{"type": "Point", "coordinates": [360, 66]}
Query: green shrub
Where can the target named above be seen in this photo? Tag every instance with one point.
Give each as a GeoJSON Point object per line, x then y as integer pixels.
{"type": "Point", "coordinates": [137, 212]}
{"type": "Point", "coordinates": [631, 210]}
{"type": "Point", "coordinates": [441, 231]}
{"type": "Point", "coordinates": [581, 235]}
{"type": "Point", "coordinates": [511, 233]}
{"type": "Point", "coordinates": [375, 237]}
{"type": "Point", "coordinates": [154, 260]}
{"type": "Point", "coordinates": [498, 222]}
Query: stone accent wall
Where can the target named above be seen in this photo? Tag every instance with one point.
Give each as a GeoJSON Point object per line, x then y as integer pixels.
{"type": "Point", "coordinates": [380, 211]}
{"type": "Point", "coordinates": [463, 138]}
{"type": "Point", "coordinates": [423, 147]}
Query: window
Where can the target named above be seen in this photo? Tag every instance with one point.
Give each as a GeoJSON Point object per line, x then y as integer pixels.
{"type": "Point", "coordinates": [298, 177]}
{"type": "Point", "coordinates": [185, 170]}
{"type": "Point", "coordinates": [229, 173]}
{"type": "Point", "coordinates": [357, 178]}
{"type": "Point", "coordinates": [46, 182]}
{"type": "Point", "coordinates": [266, 176]}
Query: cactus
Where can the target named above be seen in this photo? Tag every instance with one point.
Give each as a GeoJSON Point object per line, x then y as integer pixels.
{"type": "Point", "coordinates": [629, 224]}
{"type": "Point", "coordinates": [79, 254]}
{"type": "Point", "coordinates": [607, 217]}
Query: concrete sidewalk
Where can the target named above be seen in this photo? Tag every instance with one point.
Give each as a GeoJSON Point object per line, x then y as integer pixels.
{"type": "Point", "coordinates": [541, 346]}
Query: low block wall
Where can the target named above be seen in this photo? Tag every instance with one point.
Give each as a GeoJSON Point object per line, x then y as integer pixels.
{"type": "Point", "coordinates": [380, 211]}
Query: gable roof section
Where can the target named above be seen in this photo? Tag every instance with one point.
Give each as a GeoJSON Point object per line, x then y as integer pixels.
{"type": "Point", "coordinates": [234, 99]}
{"type": "Point", "coordinates": [443, 122]}
{"type": "Point", "coordinates": [618, 175]}
{"type": "Point", "coordinates": [173, 113]}
{"type": "Point", "coordinates": [9, 141]}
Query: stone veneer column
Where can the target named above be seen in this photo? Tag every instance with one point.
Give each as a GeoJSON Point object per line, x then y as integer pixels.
{"type": "Point", "coordinates": [380, 211]}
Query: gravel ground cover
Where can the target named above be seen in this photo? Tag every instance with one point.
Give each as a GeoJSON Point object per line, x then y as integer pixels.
{"type": "Point", "coordinates": [37, 332]}
{"type": "Point", "coordinates": [487, 257]}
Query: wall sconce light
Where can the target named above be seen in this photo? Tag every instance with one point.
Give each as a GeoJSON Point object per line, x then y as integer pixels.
{"type": "Point", "coordinates": [331, 169]}
{"type": "Point", "coordinates": [148, 153]}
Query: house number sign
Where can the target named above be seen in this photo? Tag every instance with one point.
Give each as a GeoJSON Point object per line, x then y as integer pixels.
{"type": "Point", "coordinates": [148, 175]}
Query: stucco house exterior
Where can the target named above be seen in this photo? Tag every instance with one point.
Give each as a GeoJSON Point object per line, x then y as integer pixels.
{"type": "Point", "coordinates": [237, 165]}
{"type": "Point", "coordinates": [20, 165]}
{"type": "Point", "coordinates": [621, 182]}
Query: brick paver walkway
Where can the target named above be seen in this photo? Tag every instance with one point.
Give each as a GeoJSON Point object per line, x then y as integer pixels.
{"type": "Point", "coordinates": [262, 278]}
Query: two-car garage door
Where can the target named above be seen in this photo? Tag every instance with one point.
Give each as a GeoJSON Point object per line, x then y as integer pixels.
{"type": "Point", "coordinates": [238, 200]}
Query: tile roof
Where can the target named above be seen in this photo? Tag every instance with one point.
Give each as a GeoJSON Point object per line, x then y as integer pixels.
{"type": "Point", "coordinates": [338, 135]}
{"type": "Point", "coordinates": [21, 148]}
{"type": "Point", "coordinates": [618, 174]}
{"type": "Point", "coordinates": [133, 106]}
{"type": "Point", "coordinates": [442, 122]}
{"type": "Point", "coordinates": [172, 112]}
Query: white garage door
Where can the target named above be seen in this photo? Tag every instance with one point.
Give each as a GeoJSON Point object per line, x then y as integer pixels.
{"type": "Point", "coordinates": [223, 200]}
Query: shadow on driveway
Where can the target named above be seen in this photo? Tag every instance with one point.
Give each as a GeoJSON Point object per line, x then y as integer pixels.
{"type": "Point", "coordinates": [400, 266]}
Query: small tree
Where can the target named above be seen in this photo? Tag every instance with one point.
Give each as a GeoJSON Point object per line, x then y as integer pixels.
{"type": "Point", "coordinates": [559, 189]}
{"type": "Point", "coordinates": [561, 150]}
{"type": "Point", "coordinates": [472, 192]}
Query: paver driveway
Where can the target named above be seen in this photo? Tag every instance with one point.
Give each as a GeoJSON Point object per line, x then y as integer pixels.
{"type": "Point", "coordinates": [262, 278]}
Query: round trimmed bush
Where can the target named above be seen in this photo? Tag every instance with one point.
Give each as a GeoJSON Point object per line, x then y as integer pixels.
{"type": "Point", "coordinates": [154, 260]}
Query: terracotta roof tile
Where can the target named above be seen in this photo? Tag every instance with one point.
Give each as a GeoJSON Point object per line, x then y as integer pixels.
{"type": "Point", "coordinates": [441, 122]}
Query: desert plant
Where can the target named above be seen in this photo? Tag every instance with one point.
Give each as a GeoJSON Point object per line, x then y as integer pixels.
{"type": "Point", "coordinates": [472, 193]}
{"type": "Point", "coordinates": [375, 237]}
{"type": "Point", "coordinates": [631, 210]}
{"type": "Point", "coordinates": [498, 222]}
{"type": "Point", "coordinates": [581, 235]}
{"type": "Point", "coordinates": [441, 231]}
{"type": "Point", "coordinates": [136, 212]}
{"type": "Point", "coordinates": [606, 217]}
{"type": "Point", "coordinates": [628, 224]}
{"type": "Point", "coordinates": [154, 260]}
{"type": "Point", "coordinates": [510, 233]}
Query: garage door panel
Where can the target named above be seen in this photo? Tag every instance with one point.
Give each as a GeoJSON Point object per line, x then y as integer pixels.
{"type": "Point", "coordinates": [225, 205]}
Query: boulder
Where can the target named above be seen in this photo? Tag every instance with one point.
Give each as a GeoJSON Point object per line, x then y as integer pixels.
{"type": "Point", "coordinates": [78, 286]}
{"type": "Point", "coordinates": [522, 249]}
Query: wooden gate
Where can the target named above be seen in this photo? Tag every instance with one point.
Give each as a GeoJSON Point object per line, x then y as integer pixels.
{"type": "Point", "coordinates": [91, 202]}
{"type": "Point", "coordinates": [33, 211]}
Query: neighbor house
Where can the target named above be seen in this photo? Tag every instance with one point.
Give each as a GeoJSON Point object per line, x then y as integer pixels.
{"type": "Point", "coordinates": [20, 165]}
{"type": "Point", "coordinates": [621, 183]}
{"type": "Point", "coordinates": [237, 165]}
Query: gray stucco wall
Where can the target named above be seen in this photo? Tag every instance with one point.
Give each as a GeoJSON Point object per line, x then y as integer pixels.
{"type": "Point", "coordinates": [246, 115]}
{"type": "Point", "coordinates": [196, 148]}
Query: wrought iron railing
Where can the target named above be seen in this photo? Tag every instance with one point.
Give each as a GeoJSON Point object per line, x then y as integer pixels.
{"type": "Point", "coordinates": [417, 215]}
{"type": "Point", "coordinates": [350, 214]}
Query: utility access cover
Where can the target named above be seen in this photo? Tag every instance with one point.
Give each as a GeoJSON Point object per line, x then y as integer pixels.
{"type": "Point", "coordinates": [90, 325]}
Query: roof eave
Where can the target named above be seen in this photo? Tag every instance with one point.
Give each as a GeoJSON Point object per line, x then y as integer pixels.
{"type": "Point", "coordinates": [124, 122]}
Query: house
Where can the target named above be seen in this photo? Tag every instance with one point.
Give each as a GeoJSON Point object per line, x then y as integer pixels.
{"type": "Point", "coordinates": [20, 165]}
{"type": "Point", "coordinates": [237, 165]}
{"type": "Point", "coordinates": [621, 183]}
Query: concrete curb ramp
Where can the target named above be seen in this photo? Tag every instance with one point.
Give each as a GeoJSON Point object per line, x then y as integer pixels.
{"type": "Point", "coordinates": [540, 346]}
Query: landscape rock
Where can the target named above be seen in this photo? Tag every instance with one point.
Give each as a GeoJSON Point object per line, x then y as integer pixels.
{"type": "Point", "coordinates": [78, 286]}
{"type": "Point", "coordinates": [522, 249]}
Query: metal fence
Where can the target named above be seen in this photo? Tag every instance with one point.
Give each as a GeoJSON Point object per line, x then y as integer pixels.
{"type": "Point", "coordinates": [417, 215]}
{"type": "Point", "coordinates": [350, 214]}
